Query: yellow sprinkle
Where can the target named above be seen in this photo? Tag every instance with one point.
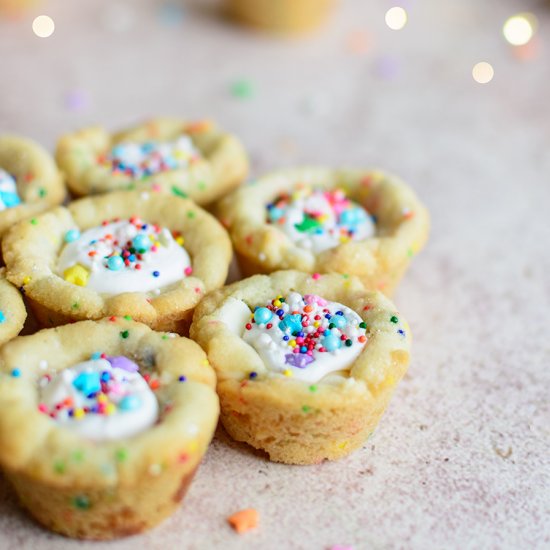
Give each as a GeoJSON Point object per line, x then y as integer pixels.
{"type": "Point", "coordinates": [344, 239]}
{"type": "Point", "coordinates": [277, 303]}
{"type": "Point", "coordinates": [193, 446]}
{"type": "Point", "coordinates": [77, 275]}
{"type": "Point", "coordinates": [180, 240]}
{"type": "Point", "coordinates": [316, 324]}
{"type": "Point", "coordinates": [26, 280]}
{"type": "Point", "coordinates": [205, 362]}
{"type": "Point", "coordinates": [101, 398]}
{"type": "Point", "coordinates": [110, 409]}
{"type": "Point", "coordinates": [292, 343]}
{"type": "Point", "coordinates": [287, 372]}
{"type": "Point", "coordinates": [78, 413]}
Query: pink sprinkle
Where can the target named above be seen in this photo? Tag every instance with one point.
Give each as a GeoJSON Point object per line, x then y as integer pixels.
{"type": "Point", "coordinates": [155, 187]}
{"type": "Point", "coordinates": [316, 276]}
{"type": "Point", "coordinates": [188, 271]}
{"type": "Point", "coordinates": [43, 408]}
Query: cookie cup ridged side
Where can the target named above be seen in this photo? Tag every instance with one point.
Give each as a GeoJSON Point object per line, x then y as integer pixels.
{"type": "Point", "coordinates": [31, 249]}
{"type": "Point", "coordinates": [39, 183]}
{"type": "Point", "coordinates": [222, 167]}
{"type": "Point", "coordinates": [402, 226]}
{"type": "Point", "coordinates": [12, 312]}
{"type": "Point", "coordinates": [294, 421]}
{"type": "Point", "coordinates": [107, 489]}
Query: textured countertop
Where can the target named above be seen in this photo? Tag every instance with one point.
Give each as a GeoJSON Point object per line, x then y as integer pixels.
{"type": "Point", "coordinates": [462, 458]}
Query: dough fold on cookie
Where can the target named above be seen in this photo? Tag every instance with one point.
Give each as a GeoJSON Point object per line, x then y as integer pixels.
{"type": "Point", "coordinates": [12, 309]}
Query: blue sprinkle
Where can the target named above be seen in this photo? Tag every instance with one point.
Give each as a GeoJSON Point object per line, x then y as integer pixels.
{"type": "Point", "coordinates": [156, 273]}
{"type": "Point", "coordinates": [72, 235]}
{"type": "Point", "coordinates": [129, 403]}
{"type": "Point", "coordinates": [2, 317]}
{"type": "Point", "coordinates": [16, 373]}
{"type": "Point", "coordinates": [253, 375]}
{"type": "Point", "coordinates": [182, 378]}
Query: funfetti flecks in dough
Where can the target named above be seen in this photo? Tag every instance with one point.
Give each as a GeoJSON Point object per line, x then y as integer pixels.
{"type": "Point", "coordinates": [317, 219]}
{"type": "Point", "coordinates": [124, 256]}
{"type": "Point", "coordinates": [306, 337]}
{"type": "Point", "coordinates": [101, 399]}
{"type": "Point", "coordinates": [8, 191]}
{"type": "Point", "coordinates": [141, 160]}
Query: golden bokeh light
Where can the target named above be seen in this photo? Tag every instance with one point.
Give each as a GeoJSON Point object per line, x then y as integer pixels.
{"type": "Point", "coordinates": [483, 72]}
{"type": "Point", "coordinates": [396, 18]}
{"type": "Point", "coordinates": [43, 26]}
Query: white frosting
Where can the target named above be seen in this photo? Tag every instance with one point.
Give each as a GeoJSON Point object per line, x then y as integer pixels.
{"type": "Point", "coordinates": [145, 159]}
{"type": "Point", "coordinates": [8, 191]}
{"type": "Point", "coordinates": [334, 226]}
{"type": "Point", "coordinates": [132, 406]}
{"type": "Point", "coordinates": [167, 258]}
{"type": "Point", "coordinates": [276, 352]}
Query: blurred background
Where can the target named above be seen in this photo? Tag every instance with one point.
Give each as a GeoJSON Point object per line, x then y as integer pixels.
{"type": "Point", "coordinates": [454, 96]}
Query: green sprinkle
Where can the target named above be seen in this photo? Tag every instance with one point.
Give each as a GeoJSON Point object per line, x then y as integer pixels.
{"type": "Point", "coordinates": [394, 319]}
{"type": "Point", "coordinates": [306, 408]}
{"type": "Point", "coordinates": [202, 185]}
{"type": "Point", "coordinates": [345, 275]}
{"type": "Point", "coordinates": [331, 325]}
{"type": "Point", "coordinates": [78, 456]}
{"type": "Point", "coordinates": [121, 455]}
{"type": "Point", "coordinates": [363, 325]}
{"type": "Point", "coordinates": [82, 502]}
{"type": "Point", "coordinates": [164, 336]}
{"type": "Point", "coordinates": [59, 467]}
{"type": "Point", "coordinates": [308, 225]}
{"type": "Point", "coordinates": [190, 214]}
{"type": "Point", "coordinates": [125, 334]}
{"type": "Point", "coordinates": [34, 221]}
{"type": "Point", "coordinates": [128, 317]}
{"type": "Point", "coordinates": [242, 89]}
{"type": "Point", "coordinates": [410, 253]}
{"type": "Point", "coordinates": [178, 192]}
{"type": "Point", "coordinates": [42, 192]}
{"type": "Point", "coordinates": [349, 343]}
{"type": "Point", "coordinates": [76, 305]}
{"type": "Point", "coordinates": [313, 388]}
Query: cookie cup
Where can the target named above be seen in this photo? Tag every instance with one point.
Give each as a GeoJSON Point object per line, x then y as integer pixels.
{"type": "Point", "coordinates": [39, 183]}
{"type": "Point", "coordinates": [31, 249]}
{"type": "Point", "coordinates": [297, 422]}
{"type": "Point", "coordinates": [402, 226]}
{"type": "Point", "coordinates": [104, 489]}
{"type": "Point", "coordinates": [13, 312]}
{"type": "Point", "coordinates": [222, 165]}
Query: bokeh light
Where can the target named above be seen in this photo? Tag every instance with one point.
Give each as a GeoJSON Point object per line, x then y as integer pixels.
{"type": "Point", "coordinates": [396, 18]}
{"type": "Point", "coordinates": [483, 72]}
{"type": "Point", "coordinates": [519, 29]}
{"type": "Point", "coordinates": [43, 26]}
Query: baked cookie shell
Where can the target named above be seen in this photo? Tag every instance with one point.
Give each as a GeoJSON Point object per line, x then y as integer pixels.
{"type": "Point", "coordinates": [380, 262]}
{"type": "Point", "coordinates": [39, 182]}
{"type": "Point", "coordinates": [12, 309]}
{"type": "Point", "coordinates": [293, 421]}
{"type": "Point", "coordinates": [223, 166]}
{"type": "Point", "coordinates": [31, 251]}
{"type": "Point", "coordinates": [104, 490]}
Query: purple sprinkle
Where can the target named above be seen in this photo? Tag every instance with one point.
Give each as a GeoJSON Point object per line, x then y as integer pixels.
{"type": "Point", "coordinates": [298, 360]}
{"type": "Point", "coordinates": [182, 378]}
{"type": "Point", "coordinates": [121, 362]}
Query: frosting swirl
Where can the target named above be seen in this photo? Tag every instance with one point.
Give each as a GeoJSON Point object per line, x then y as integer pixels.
{"type": "Point", "coordinates": [124, 256]}
{"type": "Point", "coordinates": [103, 399]}
{"type": "Point", "coordinates": [317, 220]}
{"type": "Point", "coordinates": [306, 337]}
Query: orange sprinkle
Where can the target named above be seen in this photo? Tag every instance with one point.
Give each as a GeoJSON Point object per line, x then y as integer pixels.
{"type": "Point", "coordinates": [245, 520]}
{"type": "Point", "coordinates": [308, 308]}
{"type": "Point", "coordinates": [154, 384]}
{"type": "Point", "coordinates": [362, 339]}
{"type": "Point", "coordinates": [112, 319]}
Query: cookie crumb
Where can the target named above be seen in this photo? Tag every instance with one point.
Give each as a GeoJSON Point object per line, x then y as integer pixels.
{"type": "Point", "coordinates": [244, 520]}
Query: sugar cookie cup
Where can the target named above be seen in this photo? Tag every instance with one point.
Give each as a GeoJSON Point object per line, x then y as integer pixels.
{"type": "Point", "coordinates": [70, 477]}
{"type": "Point", "coordinates": [29, 181]}
{"type": "Point", "coordinates": [12, 310]}
{"type": "Point", "coordinates": [300, 410]}
{"type": "Point", "coordinates": [192, 159]}
{"type": "Point", "coordinates": [69, 270]}
{"type": "Point", "coordinates": [284, 16]}
{"type": "Point", "coordinates": [378, 253]}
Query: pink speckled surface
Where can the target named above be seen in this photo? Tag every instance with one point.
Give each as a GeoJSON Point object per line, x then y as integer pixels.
{"type": "Point", "coordinates": [461, 459]}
